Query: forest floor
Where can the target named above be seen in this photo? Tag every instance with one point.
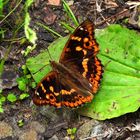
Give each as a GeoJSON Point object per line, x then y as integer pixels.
{"type": "Point", "coordinates": [22, 120]}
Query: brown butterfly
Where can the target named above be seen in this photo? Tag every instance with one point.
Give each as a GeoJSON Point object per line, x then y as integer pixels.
{"type": "Point", "coordinates": [76, 78]}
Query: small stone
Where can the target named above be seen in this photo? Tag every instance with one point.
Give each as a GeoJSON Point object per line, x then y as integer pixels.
{"type": "Point", "coordinates": [50, 18]}
{"type": "Point", "coordinates": [70, 3]}
{"type": "Point", "coordinates": [29, 135]}
{"type": "Point", "coordinates": [9, 77]}
{"type": "Point", "coordinates": [66, 138]}
{"type": "Point", "coordinates": [37, 127]}
{"type": "Point", "coordinates": [53, 138]}
{"type": "Point", "coordinates": [85, 130]}
{"type": "Point", "coordinates": [5, 130]}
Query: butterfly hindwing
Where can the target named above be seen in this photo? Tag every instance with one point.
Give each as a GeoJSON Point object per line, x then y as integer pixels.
{"type": "Point", "coordinates": [92, 72]}
{"type": "Point", "coordinates": [50, 91]}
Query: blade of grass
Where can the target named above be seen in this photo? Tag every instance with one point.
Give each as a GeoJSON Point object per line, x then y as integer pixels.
{"type": "Point", "coordinates": [2, 31]}
{"type": "Point", "coordinates": [1, 7]}
{"type": "Point", "coordinates": [49, 29]}
{"type": "Point", "coordinates": [70, 13]}
{"type": "Point", "coordinates": [67, 26]}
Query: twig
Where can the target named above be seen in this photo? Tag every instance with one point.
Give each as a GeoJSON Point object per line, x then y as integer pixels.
{"type": "Point", "coordinates": [133, 5]}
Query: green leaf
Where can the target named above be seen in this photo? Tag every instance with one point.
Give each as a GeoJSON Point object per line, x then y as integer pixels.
{"type": "Point", "coordinates": [33, 84]}
{"type": "Point", "coordinates": [11, 97]}
{"type": "Point", "coordinates": [30, 34]}
{"type": "Point", "coordinates": [119, 91]}
{"type": "Point", "coordinates": [74, 130]}
{"type": "Point", "coordinates": [28, 3]}
{"type": "Point", "coordinates": [39, 65]}
{"type": "Point", "coordinates": [1, 109]}
{"type": "Point", "coordinates": [20, 123]}
{"type": "Point", "coordinates": [23, 96]}
{"type": "Point", "coordinates": [120, 55]}
{"type": "Point", "coordinates": [22, 83]}
{"type": "Point", "coordinates": [69, 131]}
{"type": "Point", "coordinates": [2, 100]}
{"type": "Point", "coordinates": [25, 70]}
{"type": "Point", "coordinates": [1, 7]}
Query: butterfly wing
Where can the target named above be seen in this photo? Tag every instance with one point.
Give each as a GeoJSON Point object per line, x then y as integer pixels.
{"type": "Point", "coordinates": [80, 53]}
{"type": "Point", "coordinates": [50, 91]}
{"type": "Point", "coordinates": [94, 73]}
{"type": "Point", "coordinates": [81, 44]}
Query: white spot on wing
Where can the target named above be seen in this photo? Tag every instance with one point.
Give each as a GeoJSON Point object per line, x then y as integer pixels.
{"type": "Point", "coordinates": [90, 84]}
{"type": "Point", "coordinates": [37, 93]}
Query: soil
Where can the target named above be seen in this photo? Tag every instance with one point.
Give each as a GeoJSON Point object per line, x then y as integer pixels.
{"type": "Point", "coordinates": [49, 123]}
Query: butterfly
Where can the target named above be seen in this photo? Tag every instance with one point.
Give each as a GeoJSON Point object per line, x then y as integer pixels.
{"type": "Point", "coordinates": [75, 79]}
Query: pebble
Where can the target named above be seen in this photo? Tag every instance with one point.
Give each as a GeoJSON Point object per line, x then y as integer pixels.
{"type": "Point", "coordinates": [54, 137]}
{"type": "Point", "coordinates": [85, 130]}
{"type": "Point", "coordinates": [5, 130]}
{"type": "Point", "coordinates": [28, 135]}
{"type": "Point", "coordinates": [39, 128]}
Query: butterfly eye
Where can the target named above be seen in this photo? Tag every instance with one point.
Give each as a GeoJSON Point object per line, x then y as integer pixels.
{"type": "Point", "coordinates": [90, 83]}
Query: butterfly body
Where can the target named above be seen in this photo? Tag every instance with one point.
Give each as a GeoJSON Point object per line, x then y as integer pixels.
{"type": "Point", "coordinates": [76, 77]}
{"type": "Point", "coordinates": [72, 78]}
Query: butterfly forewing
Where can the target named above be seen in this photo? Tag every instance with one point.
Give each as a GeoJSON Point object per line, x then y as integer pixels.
{"type": "Point", "coordinates": [51, 91]}
{"type": "Point", "coordinates": [79, 54]}
{"type": "Point", "coordinates": [81, 44]}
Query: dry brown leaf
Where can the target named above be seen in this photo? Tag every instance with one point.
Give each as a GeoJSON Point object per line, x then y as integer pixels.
{"type": "Point", "coordinates": [54, 2]}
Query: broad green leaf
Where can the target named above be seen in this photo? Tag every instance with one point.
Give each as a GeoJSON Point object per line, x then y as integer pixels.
{"type": "Point", "coordinates": [119, 91]}
{"type": "Point", "coordinates": [39, 66]}
{"type": "Point", "coordinates": [120, 55]}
